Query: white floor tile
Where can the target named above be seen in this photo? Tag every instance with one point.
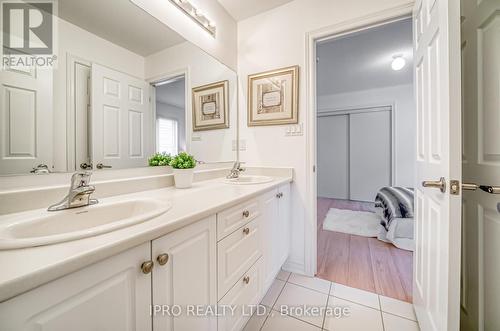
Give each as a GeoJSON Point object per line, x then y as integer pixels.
{"type": "Point", "coordinates": [313, 283]}
{"type": "Point", "coordinates": [294, 298]}
{"type": "Point", "coordinates": [396, 323]}
{"type": "Point", "coordinates": [283, 275]}
{"type": "Point", "coordinates": [273, 293]}
{"type": "Point", "coordinates": [256, 321]}
{"type": "Point", "coordinates": [358, 318]}
{"type": "Point", "coordinates": [278, 322]}
{"type": "Point", "coordinates": [397, 307]}
{"type": "Point", "coordinates": [356, 295]}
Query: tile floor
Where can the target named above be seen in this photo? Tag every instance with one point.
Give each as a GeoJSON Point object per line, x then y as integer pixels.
{"type": "Point", "coordinates": [364, 310]}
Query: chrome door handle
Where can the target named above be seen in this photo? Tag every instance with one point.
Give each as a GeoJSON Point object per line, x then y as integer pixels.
{"type": "Point", "coordinates": [486, 188]}
{"type": "Point", "coordinates": [440, 184]}
{"type": "Point", "coordinates": [102, 166]}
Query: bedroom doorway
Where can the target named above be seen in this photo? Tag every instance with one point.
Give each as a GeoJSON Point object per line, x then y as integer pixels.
{"type": "Point", "coordinates": [365, 159]}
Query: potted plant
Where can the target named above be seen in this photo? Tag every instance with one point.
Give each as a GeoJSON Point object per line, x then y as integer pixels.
{"type": "Point", "coordinates": [183, 165]}
{"type": "Point", "coordinates": [159, 159]}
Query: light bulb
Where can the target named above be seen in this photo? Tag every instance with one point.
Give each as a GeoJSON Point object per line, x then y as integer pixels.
{"type": "Point", "coordinates": [398, 63]}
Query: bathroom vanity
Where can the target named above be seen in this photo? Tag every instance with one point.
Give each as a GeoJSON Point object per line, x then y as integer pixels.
{"type": "Point", "coordinates": [219, 245]}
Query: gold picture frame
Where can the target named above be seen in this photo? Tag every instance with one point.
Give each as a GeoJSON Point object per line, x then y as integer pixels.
{"type": "Point", "coordinates": [273, 97]}
{"type": "Point", "coordinates": [211, 106]}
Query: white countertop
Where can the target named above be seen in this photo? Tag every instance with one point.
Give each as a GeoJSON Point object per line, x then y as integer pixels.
{"type": "Point", "coordinates": [25, 269]}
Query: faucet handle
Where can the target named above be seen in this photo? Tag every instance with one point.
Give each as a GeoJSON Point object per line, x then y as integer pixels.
{"type": "Point", "coordinates": [80, 178]}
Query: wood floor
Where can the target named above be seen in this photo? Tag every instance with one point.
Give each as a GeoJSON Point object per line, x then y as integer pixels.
{"type": "Point", "coordinates": [361, 262]}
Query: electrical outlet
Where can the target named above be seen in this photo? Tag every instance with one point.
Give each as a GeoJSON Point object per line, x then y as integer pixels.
{"type": "Point", "coordinates": [243, 145]}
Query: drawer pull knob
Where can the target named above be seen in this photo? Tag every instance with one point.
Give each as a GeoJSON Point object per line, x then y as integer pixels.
{"type": "Point", "coordinates": [246, 230]}
{"type": "Point", "coordinates": [246, 213]}
{"type": "Point", "coordinates": [147, 267]}
{"type": "Point", "coordinates": [162, 259]}
{"type": "Point", "coordinates": [279, 195]}
{"type": "Point", "coordinates": [246, 279]}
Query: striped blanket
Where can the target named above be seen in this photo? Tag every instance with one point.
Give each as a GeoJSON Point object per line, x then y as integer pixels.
{"type": "Point", "coordinates": [394, 202]}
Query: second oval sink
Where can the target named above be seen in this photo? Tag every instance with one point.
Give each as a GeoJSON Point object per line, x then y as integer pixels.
{"type": "Point", "coordinates": [77, 223]}
{"type": "Point", "coordinates": [246, 180]}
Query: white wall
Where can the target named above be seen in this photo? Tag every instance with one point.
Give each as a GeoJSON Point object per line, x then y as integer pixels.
{"type": "Point", "coordinates": [214, 145]}
{"type": "Point", "coordinates": [222, 46]}
{"type": "Point", "coordinates": [172, 112]}
{"type": "Point", "coordinates": [275, 39]}
{"type": "Point", "coordinates": [404, 122]}
{"type": "Point", "coordinates": [78, 42]}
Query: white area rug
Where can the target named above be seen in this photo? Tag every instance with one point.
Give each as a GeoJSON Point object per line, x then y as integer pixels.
{"type": "Point", "coordinates": [360, 223]}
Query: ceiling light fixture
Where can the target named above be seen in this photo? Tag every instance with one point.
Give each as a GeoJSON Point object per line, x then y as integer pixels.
{"type": "Point", "coordinates": [196, 15]}
{"type": "Point", "coordinates": [398, 62]}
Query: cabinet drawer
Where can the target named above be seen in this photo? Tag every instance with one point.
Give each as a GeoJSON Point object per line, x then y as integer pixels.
{"type": "Point", "coordinates": [244, 295]}
{"type": "Point", "coordinates": [236, 254]}
{"type": "Point", "coordinates": [232, 219]}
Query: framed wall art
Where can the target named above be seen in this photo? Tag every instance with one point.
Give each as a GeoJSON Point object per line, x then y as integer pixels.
{"type": "Point", "coordinates": [211, 106]}
{"type": "Point", "coordinates": [273, 97]}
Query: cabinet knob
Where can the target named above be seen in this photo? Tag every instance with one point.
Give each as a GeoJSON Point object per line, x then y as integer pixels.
{"type": "Point", "coordinates": [246, 279]}
{"type": "Point", "coordinates": [246, 213]}
{"type": "Point", "coordinates": [162, 259]}
{"type": "Point", "coordinates": [147, 267]}
{"type": "Point", "coordinates": [246, 230]}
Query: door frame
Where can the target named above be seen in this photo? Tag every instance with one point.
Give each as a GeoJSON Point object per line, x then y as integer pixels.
{"type": "Point", "coordinates": [187, 101]}
{"type": "Point", "coordinates": [355, 25]}
{"type": "Point", "coordinates": [71, 60]}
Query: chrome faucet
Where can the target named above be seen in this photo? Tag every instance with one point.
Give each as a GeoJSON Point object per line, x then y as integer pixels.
{"type": "Point", "coordinates": [235, 171]}
{"type": "Point", "coordinates": [79, 193]}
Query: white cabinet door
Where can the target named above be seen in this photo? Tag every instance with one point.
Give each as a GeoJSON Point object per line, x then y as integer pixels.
{"type": "Point", "coordinates": [26, 118]}
{"type": "Point", "coordinates": [187, 278]}
{"type": "Point", "coordinates": [284, 226]}
{"type": "Point", "coordinates": [121, 119]}
{"type": "Point", "coordinates": [270, 231]}
{"type": "Point", "coordinates": [113, 294]}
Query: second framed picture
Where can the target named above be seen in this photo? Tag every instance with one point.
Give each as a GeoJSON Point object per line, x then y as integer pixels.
{"type": "Point", "coordinates": [273, 97]}
{"type": "Point", "coordinates": [211, 106]}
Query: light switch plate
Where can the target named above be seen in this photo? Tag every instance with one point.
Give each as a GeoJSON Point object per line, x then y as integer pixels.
{"type": "Point", "coordinates": [294, 130]}
{"type": "Point", "coordinates": [195, 138]}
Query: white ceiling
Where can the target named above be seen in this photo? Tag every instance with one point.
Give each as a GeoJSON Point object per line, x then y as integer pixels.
{"type": "Point", "coordinates": [241, 9]}
{"type": "Point", "coordinates": [121, 22]}
{"type": "Point", "coordinates": [172, 93]}
{"type": "Point", "coordinates": [363, 60]}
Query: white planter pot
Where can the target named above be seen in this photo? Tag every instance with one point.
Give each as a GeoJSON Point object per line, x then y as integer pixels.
{"type": "Point", "coordinates": [183, 178]}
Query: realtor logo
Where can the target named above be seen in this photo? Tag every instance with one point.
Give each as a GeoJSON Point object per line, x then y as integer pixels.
{"type": "Point", "coordinates": [27, 32]}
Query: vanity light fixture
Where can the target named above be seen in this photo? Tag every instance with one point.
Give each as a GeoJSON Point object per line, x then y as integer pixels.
{"type": "Point", "coordinates": [398, 62]}
{"type": "Point", "coordinates": [196, 15]}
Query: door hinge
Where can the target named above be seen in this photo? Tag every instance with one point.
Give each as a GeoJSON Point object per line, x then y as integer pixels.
{"type": "Point", "coordinates": [454, 187]}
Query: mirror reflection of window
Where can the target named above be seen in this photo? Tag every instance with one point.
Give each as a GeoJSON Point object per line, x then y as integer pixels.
{"type": "Point", "coordinates": [170, 115]}
{"type": "Point", "coordinates": [167, 136]}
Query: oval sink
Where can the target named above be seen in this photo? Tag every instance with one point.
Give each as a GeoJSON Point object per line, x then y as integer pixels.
{"type": "Point", "coordinates": [246, 180]}
{"type": "Point", "coordinates": [77, 223]}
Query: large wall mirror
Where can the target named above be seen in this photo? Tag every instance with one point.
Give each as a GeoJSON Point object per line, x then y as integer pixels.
{"type": "Point", "coordinates": [125, 87]}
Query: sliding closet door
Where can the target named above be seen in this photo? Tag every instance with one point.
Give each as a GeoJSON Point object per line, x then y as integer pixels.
{"type": "Point", "coordinates": [370, 154]}
{"type": "Point", "coordinates": [333, 157]}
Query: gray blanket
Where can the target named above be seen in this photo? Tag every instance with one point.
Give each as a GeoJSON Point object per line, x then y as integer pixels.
{"type": "Point", "coordinates": [394, 202]}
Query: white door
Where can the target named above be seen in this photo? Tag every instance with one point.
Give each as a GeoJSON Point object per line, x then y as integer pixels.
{"type": "Point", "coordinates": [113, 294]}
{"type": "Point", "coordinates": [25, 119]}
{"type": "Point", "coordinates": [437, 222]}
{"type": "Point", "coordinates": [333, 156]}
{"type": "Point", "coordinates": [186, 276]}
{"type": "Point", "coordinates": [369, 154]}
{"type": "Point", "coordinates": [480, 298]}
{"type": "Point", "coordinates": [270, 231]}
{"type": "Point", "coordinates": [121, 119]}
{"type": "Point", "coordinates": [284, 209]}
